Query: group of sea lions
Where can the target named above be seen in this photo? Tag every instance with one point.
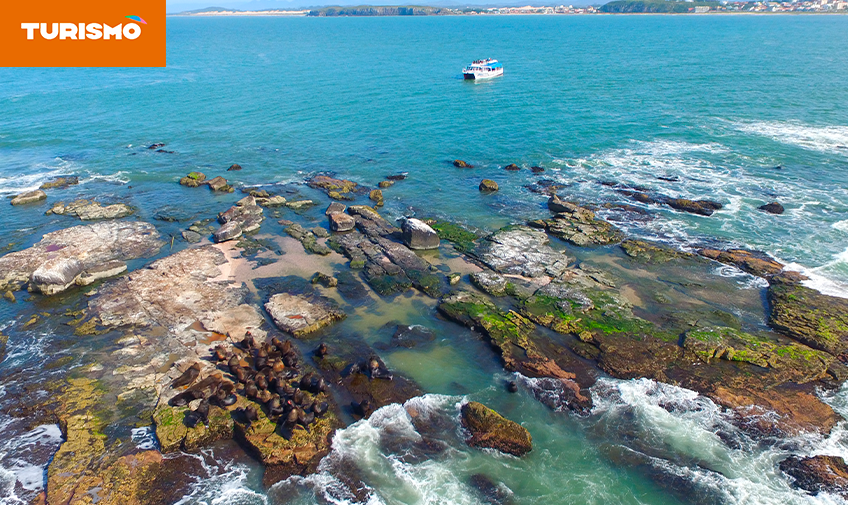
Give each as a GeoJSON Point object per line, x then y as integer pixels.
{"type": "Point", "coordinates": [274, 381]}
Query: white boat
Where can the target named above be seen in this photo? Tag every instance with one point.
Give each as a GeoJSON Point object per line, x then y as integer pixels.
{"type": "Point", "coordinates": [483, 69]}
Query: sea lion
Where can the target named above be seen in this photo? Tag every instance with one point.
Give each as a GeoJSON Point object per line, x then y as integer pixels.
{"type": "Point", "coordinates": [319, 409]}
{"type": "Point", "coordinates": [278, 366]}
{"type": "Point", "coordinates": [250, 390]}
{"type": "Point", "coordinates": [264, 396]}
{"type": "Point", "coordinates": [200, 414]}
{"type": "Point", "coordinates": [362, 408]}
{"type": "Point", "coordinates": [275, 407]}
{"type": "Point", "coordinates": [233, 364]}
{"type": "Point", "coordinates": [250, 413]}
{"type": "Point", "coordinates": [322, 350]}
{"type": "Point", "coordinates": [260, 362]}
{"type": "Point", "coordinates": [299, 397]}
{"type": "Point", "coordinates": [261, 382]}
{"type": "Point", "coordinates": [291, 418]}
{"type": "Point", "coordinates": [248, 342]}
{"type": "Point", "coordinates": [225, 398]}
{"type": "Point", "coordinates": [305, 418]}
{"type": "Point", "coordinates": [221, 354]}
{"type": "Point", "coordinates": [378, 369]}
{"type": "Point", "coordinates": [290, 359]}
{"type": "Point", "coordinates": [184, 398]}
{"type": "Point", "coordinates": [187, 377]}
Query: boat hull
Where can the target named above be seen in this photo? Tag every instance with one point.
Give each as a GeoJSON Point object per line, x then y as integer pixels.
{"type": "Point", "coordinates": [481, 75]}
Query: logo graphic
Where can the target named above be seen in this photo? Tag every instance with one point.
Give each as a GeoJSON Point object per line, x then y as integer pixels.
{"type": "Point", "coordinates": [88, 33]}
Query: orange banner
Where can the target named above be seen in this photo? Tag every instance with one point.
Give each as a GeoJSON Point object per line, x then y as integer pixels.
{"type": "Point", "coordinates": [82, 33]}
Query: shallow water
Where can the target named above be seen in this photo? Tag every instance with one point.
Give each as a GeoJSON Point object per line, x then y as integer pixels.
{"type": "Point", "coordinates": [743, 110]}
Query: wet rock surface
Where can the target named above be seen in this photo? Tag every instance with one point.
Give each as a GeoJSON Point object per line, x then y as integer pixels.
{"type": "Point", "coordinates": [578, 225]}
{"type": "Point", "coordinates": [753, 262]}
{"type": "Point", "coordinates": [300, 316]}
{"type": "Point", "coordinates": [491, 430]}
{"type": "Point", "coordinates": [521, 250]}
{"type": "Point", "coordinates": [89, 210]}
{"type": "Point", "coordinates": [30, 197]}
{"type": "Point", "coordinates": [817, 320]}
{"type": "Point", "coordinates": [53, 264]}
{"type": "Point", "coordinates": [818, 474]}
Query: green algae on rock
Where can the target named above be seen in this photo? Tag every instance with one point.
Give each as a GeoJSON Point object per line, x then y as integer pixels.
{"type": "Point", "coordinates": [797, 362]}
{"type": "Point", "coordinates": [817, 320]}
{"type": "Point", "coordinates": [493, 431]}
{"type": "Point", "coordinates": [652, 253]}
{"type": "Point", "coordinates": [462, 239]}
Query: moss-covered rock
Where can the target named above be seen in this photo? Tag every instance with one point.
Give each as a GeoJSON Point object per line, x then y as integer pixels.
{"type": "Point", "coordinates": [509, 332]}
{"type": "Point", "coordinates": [797, 362]}
{"type": "Point", "coordinates": [814, 319]}
{"type": "Point", "coordinates": [462, 239]}
{"type": "Point", "coordinates": [174, 435]}
{"type": "Point", "coordinates": [649, 252]}
{"type": "Point", "coordinates": [293, 451]}
{"type": "Point", "coordinates": [493, 431]}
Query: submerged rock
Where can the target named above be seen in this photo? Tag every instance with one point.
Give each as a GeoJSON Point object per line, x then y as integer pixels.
{"type": "Point", "coordinates": [417, 235]}
{"type": "Point", "coordinates": [235, 167]}
{"type": "Point", "coordinates": [89, 210]}
{"type": "Point", "coordinates": [512, 167]}
{"type": "Point", "coordinates": [61, 182]}
{"type": "Point", "coordinates": [330, 184]}
{"type": "Point", "coordinates": [753, 262]}
{"type": "Point", "coordinates": [652, 253]}
{"type": "Point", "coordinates": [461, 164]}
{"type": "Point", "coordinates": [772, 208]}
{"type": "Point", "coordinates": [308, 239]}
{"type": "Point", "coordinates": [30, 197]}
{"type": "Point", "coordinates": [816, 474]}
{"type": "Point", "coordinates": [493, 431]}
{"type": "Point", "coordinates": [54, 264]}
{"type": "Point", "coordinates": [700, 207]}
{"type": "Point", "coordinates": [300, 316]}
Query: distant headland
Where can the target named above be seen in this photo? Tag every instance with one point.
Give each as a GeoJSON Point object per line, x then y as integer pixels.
{"type": "Point", "coordinates": [612, 7]}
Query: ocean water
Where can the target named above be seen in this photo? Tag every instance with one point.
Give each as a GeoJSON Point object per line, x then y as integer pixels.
{"type": "Point", "coordinates": [744, 110]}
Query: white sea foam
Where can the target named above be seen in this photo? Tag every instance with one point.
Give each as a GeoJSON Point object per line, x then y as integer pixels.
{"type": "Point", "coordinates": [23, 460]}
{"type": "Point", "coordinates": [224, 483]}
{"type": "Point", "coordinates": [144, 438]}
{"type": "Point", "coordinates": [679, 430]}
{"type": "Point", "coordinates": [817, 138]}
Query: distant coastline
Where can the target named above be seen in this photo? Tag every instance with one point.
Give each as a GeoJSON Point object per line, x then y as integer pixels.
{"type": "Point", "coordinates": [627, 7]}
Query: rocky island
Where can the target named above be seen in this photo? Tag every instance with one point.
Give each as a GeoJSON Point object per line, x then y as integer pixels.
{"type": "Point", "coordinates": [249, 329]}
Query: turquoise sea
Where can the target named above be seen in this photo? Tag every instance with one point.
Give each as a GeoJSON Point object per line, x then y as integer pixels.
{"type": "Point", "coordinates": [743, 110]}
